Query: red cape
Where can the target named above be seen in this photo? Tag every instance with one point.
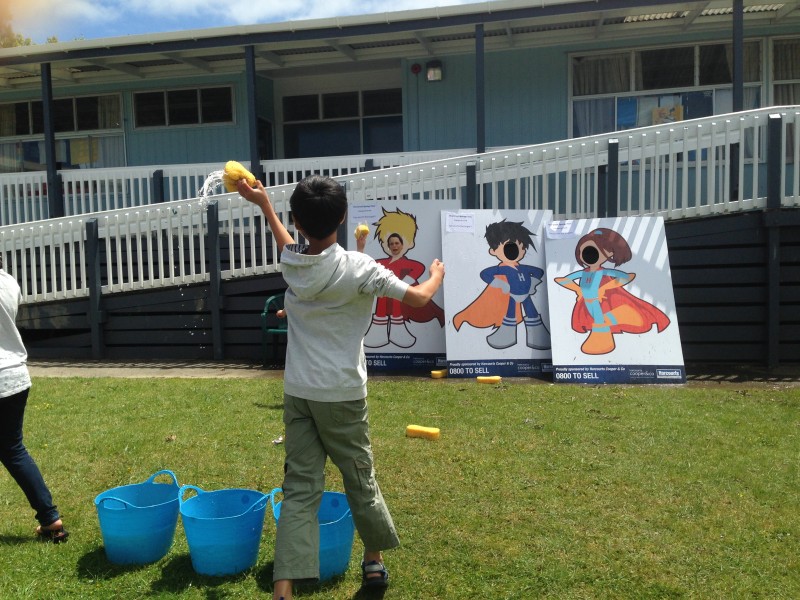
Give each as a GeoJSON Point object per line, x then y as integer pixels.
{"type": "Point", "coordinates": [582, 320]}
{"type": "Point", "coordinates": [429, 312]}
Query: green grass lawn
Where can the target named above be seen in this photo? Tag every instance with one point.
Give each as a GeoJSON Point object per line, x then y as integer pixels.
{"type": "Point", "coordinates": [533, 490]}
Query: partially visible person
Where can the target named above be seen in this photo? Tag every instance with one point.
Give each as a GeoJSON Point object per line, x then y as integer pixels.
{"type": "Point", "coordinates": [15, 384]}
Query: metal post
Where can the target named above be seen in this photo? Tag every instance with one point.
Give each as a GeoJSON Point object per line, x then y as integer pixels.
{"type": "Point", "coordinates": [612, 193]}
{"type": "Point", "coordinates": [55, 197]}
{"type": "Point", "coordinates": [471, 200]}
{"type": "Point", "coordinates": [215, 299]}
{"type": "Point", "coordinates": [157, 187]}
{"type": "Point", "coordinates": [480, 99]}
{"type": "Point", "coordinates": [738, 55]}
{"type": "Point", "coordinates": [774, 148]}
{"type": "Point", "coordinates": [252, 111]}
{"type": "Point", "coordinates": [774, 151]}
{"type": "Point", "coordinates": [96, 315]}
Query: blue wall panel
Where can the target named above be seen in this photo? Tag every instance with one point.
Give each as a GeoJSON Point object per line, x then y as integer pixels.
{"type": "Point", "coordinates": [190, 144]}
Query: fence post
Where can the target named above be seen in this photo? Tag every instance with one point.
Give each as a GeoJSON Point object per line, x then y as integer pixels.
{"type": "Point", "coordinates": [612, 179]}
{"type": "Point", "coordinates": [471, 200]}
{"type": "Point", "coordinates": [95, 314]}
{"type": "Point", "coordinates": [215, 300]}
{"type": "Point", "coordinates": [55, 193]}
{"type": "Point", "coordinates": [774, 151]}
{"type": "Point", "coordinates": [157, 186]}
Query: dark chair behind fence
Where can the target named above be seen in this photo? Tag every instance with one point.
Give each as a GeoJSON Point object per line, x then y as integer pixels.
{"type": "Point", "coordinates": [273, 333]}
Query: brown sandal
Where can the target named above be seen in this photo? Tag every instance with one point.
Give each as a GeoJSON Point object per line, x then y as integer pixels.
{"type": "Point", "coordinates": [56, 535]}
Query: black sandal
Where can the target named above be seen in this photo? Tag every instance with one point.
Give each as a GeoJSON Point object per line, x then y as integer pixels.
{"type": "Point", "coordinates": [382, 580]}
{"type": "Point", "coordinates": [52, 535]}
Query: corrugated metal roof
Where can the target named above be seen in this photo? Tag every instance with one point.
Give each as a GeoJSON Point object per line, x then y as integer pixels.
{"type": "Point", "coordinates": [373, 37]}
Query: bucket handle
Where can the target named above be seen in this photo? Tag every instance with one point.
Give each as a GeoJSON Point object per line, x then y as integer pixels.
{"type": "Point", "coordinates": [276, 490]}
{"type": "Point", "coordinates": [163, 472]}
{"type": "Point", "coordinates": [257, 505]}
{"type": "Point", "coordinates": [184, 489]}
{"type": "Point", "coordinates": [115, 499]}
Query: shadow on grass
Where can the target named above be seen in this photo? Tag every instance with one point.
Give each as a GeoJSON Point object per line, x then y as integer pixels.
{"type": "Point", "coordinates": [268, 406]}
{"type": "Point", "coordinates": [8, 540]}
{"type": "Point", "coordinates": [264, 576]}
{"type": "Point", "coordinates": [177, 575]}
{"type": "Point", "coordinates": [370, 593]}
{"type": "Point", "coordinates": [95, 565]}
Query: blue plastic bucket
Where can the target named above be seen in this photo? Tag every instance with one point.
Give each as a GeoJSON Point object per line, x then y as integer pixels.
{"type": "Point", "coordinates": [223, 528]}
{"type": "Point", "coordinates": [336, 531]}
{"type": "Point", "coordinates": [138, 521]}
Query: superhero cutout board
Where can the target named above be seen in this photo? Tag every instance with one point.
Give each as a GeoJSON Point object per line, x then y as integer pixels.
{"type": "Point", "coordinates": [405, 237]}
{"type": "Point", "coordinates": [495, 299]}
{"type": "Point", "coordinates": [612, 308]}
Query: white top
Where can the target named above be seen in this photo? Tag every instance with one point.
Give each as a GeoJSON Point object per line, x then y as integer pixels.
{"type": "Point", "coordinates": [329, 307]}
{"type": "Point", "coordinates": [14, 376]}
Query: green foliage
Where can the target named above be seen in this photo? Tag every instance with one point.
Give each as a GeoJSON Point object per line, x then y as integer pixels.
{"type": "Point", "coordinates": [533, 490]}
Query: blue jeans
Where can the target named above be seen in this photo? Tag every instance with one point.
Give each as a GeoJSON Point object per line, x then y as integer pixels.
{"type": "Point", "coordinates": [19, 463]}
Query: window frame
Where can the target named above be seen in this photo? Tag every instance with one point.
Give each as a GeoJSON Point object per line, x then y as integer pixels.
{"type": "Point", "coordinates": [633, 57]}
{"type": "Point", "coordinates": [165, 93]}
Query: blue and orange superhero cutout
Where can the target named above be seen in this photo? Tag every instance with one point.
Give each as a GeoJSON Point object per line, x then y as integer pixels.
{"type": "Point", "coordinates": [602, 306]}
{"type": "Point", "coordinates": [397, 232]}
{"type": "Point", "coordinates": [507, 299]}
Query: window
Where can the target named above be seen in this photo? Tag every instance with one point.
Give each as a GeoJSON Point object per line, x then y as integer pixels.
{"type": "Point", "coordinates": [87, 134]}
{"type": "Point", "coordinates": [183, 107]}
{"type": "Point", "coordinates": [343, 123]}
{"type": "Point", "coordinates": [786, 77]}
{"type": "Point", "coordinates": [623, 90]}
{"type": "Point", "coordinates": [786, 72]}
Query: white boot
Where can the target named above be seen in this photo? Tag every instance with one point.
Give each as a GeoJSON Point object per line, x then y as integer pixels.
{"type": "Point", "coordinates": [377, 335]}
{"type": "Point", "coordinates": [399, 334]}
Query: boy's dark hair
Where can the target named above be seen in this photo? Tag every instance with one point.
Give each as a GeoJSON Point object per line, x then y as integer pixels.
{"type": "Point", "coordinates": [499, 233]}
{"type": "Point", "coordinates": [318, 205]}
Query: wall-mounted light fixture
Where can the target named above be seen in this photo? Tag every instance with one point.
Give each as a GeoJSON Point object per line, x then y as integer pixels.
{"type": "Point", "coordinates": [433, 70]}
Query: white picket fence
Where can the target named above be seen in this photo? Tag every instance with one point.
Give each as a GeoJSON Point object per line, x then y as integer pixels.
{"type": "Point", "coordinates": [680, 170]}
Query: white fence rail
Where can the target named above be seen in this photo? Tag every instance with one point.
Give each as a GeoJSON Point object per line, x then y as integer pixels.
{"type": "Point", "coordinates": [23, 196]}
{"type": "Point", "coordinates": [686, 169]}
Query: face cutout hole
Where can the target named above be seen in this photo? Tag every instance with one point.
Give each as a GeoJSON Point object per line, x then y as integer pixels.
{"type": "Point", "coordinates": [511, 251]}
{"type": "Point", "coordinates": [590, 255]}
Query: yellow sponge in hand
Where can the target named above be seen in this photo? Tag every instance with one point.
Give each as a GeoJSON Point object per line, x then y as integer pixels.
{"type": "Point", "coordinates": [362, 229]}
{"type": "Point", "coordinates": [233, 172]}
{"type": "Point", "coordinates": [429, 433]}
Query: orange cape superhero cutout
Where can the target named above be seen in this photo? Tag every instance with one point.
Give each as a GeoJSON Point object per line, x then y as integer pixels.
{"type": "Point", "coordinates": [488, 309]}
{"type": "Point", "coordinates": [583, 322]}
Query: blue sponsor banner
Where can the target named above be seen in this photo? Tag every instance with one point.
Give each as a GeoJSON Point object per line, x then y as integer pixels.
{"type": "Point", "coordinates": [619, 374]}
{"type": "Point", "coordinates": [405, 362]}
{"type": "Point", "coordinates": [504, 368]}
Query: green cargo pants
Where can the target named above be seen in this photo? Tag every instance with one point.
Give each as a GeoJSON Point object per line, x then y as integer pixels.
{"type": "Point", "coordinates": [314, 431]}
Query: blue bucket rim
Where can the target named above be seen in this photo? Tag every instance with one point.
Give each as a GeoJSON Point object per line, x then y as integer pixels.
{"type": "Point", "coordinates": [253, 508]}
{"type": "Point", "coordinates": [275, 506]}
{"type": "Point", "coordinates": [103, 496]}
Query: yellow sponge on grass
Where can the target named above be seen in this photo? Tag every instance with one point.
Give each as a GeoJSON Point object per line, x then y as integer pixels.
{"type": "Point", "coordinates": [429, 433]}
{"type": "Point", "coordinates": [490, 379]}
{"type": "Point", "coordinates": [441, 374]}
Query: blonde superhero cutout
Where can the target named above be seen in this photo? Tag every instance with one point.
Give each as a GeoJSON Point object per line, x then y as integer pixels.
{"type": "Point", "coordinates": [396, 222]}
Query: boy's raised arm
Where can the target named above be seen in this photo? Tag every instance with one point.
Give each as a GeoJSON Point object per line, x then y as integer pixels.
{"type": "Point", "coordinates": [419, 295]}
{"type": "Point", "coordinates": [260, 198]}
